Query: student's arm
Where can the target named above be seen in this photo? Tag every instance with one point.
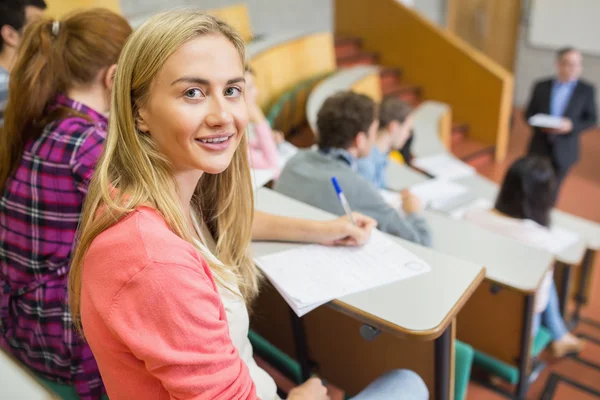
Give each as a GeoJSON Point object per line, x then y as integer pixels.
{"type": "Point", "coordinates": [367, 200]}
{"type": "Point", "coordinates": [588, 117]}
{"type": "Point", "coordinates": [169, 316]}
{"type": "Point", "coordinates": [339, 231]}
{"type": "Point", "coordinates": [85, 157]}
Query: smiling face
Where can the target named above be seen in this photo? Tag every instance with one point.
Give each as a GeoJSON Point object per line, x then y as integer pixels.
{"type": "Point", "coordinates": [196, 112]}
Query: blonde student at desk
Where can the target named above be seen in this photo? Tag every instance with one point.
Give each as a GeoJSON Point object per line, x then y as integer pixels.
{"type": "Point", "coordinates": [522, 211]}
{"type": "Point", "coordinates": [167, 225]}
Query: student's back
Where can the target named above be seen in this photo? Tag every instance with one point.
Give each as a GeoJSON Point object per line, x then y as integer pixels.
{"type": "Point", "coordinates": [50, 143]}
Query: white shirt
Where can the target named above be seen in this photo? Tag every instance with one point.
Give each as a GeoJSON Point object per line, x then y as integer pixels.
{"type": "Point", "coordinates": [525, 231]}
{"type": "Point", "coordinates": [239, 322]}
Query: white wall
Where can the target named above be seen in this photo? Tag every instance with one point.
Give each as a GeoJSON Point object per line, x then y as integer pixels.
{"type": "Point", "coordinates": [534, 63]}
{"type": "Point", "coordinates": [267, 16]}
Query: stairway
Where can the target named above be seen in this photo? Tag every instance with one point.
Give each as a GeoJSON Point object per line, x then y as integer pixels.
{"type": "Point", "coordinates": [349, 52]}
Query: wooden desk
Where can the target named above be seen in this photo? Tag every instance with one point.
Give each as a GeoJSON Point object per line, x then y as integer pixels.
{"type": "Point", "coordinates": [18, 383]}
{"type": "Point", "coordinates": [571, 282]}
{"type": "Point", "coordinates": [416, 316]}
{"type": "Point", "coordinates": [498, 318]}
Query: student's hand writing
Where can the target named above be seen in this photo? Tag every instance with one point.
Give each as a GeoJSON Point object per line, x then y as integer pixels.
{"type": "Point", "coordinates": [312, 389]}
{"type": "Point", "coordinates": [410, 202]}
{"type": "Point", "coordinates": [341, 231]}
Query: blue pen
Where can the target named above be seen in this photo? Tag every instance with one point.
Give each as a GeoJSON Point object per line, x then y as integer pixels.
{"type": "Point", "coordinates": [340, 195]}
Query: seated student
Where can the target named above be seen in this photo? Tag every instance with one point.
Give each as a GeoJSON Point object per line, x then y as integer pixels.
{"type": "Point", "coordinates": [395, 124]}
{"type": "Point", "coordinates": [53, 133]}
{"type": "Point", "coordinates": [347, 125]}
{"type": "Point", "coordinates": [522, 211]}
{"type": "Point", "coordinates": [162, 274]}
{"type": "Point", "coordinates": [14, 16]}
{"type": "Point", "coordinates": [268, 149]}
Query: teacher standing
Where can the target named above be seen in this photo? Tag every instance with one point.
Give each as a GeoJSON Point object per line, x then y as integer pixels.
{"type": "Point", "coordinates": [570, 98]}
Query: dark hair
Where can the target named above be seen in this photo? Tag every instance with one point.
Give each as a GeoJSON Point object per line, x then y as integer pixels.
{"type": "Point", "coordinates": [342, 117]}
{"type": "Point", "coordinates": [12, 13]}
{"type": "Point", "coordinates": [49, 63]}
{"type": "Point", "coordinates": [562, 51]}
{"type": "Point", "coordinates": [41, 4]}
{"type": "Point", "coordinates": [393, 109]}
{"type": "Point", "coordinates": [528, 190]}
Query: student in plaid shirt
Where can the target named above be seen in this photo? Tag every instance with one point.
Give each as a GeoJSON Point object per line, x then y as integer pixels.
{"type": "Point", "coordinates": [53, 135]}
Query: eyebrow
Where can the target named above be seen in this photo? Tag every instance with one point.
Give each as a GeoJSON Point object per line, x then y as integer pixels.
{"type": "Point", "coordinates": [201, 81]}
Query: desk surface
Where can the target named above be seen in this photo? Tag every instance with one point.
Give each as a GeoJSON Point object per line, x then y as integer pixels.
{"type": "Point", "coordinates": [339, 81]}
{"type": "Point", "coordinates": [506, 261]}
{"type": "Point", "coordinates": [426, 127]}
{"type": "Point", "coordinates": [589, 231]}
{"type": "Point", "coordinates": [419, 308]}
{"type": "Point", "coordinates": [16, 383]}
{"type": "Point", "coordinates": [400, 176]}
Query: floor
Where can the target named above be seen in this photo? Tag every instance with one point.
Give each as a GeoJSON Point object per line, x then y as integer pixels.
{"type": "Point", "coordinates": [580, 195]}
{"type": "Point", "coordinates": [562, 379]}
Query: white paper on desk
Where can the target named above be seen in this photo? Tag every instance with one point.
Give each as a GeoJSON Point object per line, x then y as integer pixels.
{"type": "Point", "coordinates": [260, 177]}
{"type": "Point", "coordinates": [460, 212]}
{"type": "Point", "coordinates": [562, 239]}
{"type": "Point", "coordinates": [444, 166]}
{"type": "Point", "coordinates": [392, 198]}
{"type": "Point", "coordinates": [545, 121]}
{"type": "Point", "coordinates": [437, 193]}
{"type": "Point", "coordinates": [312, 275]}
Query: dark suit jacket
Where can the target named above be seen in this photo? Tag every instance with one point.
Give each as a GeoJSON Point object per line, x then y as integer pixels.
{"type": "Point", "coordinates": [563, 150]}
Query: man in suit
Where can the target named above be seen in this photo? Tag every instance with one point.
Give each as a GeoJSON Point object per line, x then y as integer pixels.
{"type": "Point", "coordinates": [570, 98]}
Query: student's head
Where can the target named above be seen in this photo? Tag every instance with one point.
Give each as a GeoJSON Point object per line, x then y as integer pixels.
{"type": "Point", "coordinates": [348, 120]}
{"type": "Point", "coordinates": [569, 64]}
{"type": "Point", "coordinates": [14, 16]}
{"type": "Point", "coordinates": [78, 52]}
{"type": "Point", "coordinates": [528, 190]}
{"type": "Point", "coordinates": [395, 119]}
{"type": "Point", "coordinates": [178, 86]}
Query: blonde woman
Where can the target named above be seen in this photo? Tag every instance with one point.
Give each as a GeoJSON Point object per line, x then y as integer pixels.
{"type": "Point", "coordinates": [162, 272]}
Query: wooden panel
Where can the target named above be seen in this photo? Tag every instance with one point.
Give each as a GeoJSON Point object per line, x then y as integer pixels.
{"type": "Point", "coordinates": [370, 85]}
{"type": "Point", "coordinates": [58, 8]}
{"type": "Point", "coordinates": [445, 129]}
{"type": "Point", "coordinates": [236, 16]}
{"type": "Point", "coordinates": [331, 334]}
{"type": "Point", "coordinates": [477, 88]}
{"type": "Point", "coordinates": [491, 26]}
{"type": "Point", "coordinates": [492, 323]}
{"type": "Point", "coordinates": [281, 67]}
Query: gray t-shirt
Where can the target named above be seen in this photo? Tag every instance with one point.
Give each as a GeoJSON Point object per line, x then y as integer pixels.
{"type": "Point", "coordinates": [307, 178]}
{"type": "Point", "coordinates": [4, 75]}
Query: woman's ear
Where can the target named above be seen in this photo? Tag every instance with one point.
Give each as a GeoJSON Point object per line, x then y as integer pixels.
{"type": "Point", "coordinates": [109, 77]}
{"type": "Point", "coordinates": [140, 122]}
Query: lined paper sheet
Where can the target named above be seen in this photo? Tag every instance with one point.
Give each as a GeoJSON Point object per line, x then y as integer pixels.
{"type": "Point", "coordinates": [444, 166]}
{"type": "Point", "coordinates": [312, 275]}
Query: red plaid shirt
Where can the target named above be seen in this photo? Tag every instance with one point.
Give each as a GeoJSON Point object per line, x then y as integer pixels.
{"type": "Point", "coordinates": [39, 213]}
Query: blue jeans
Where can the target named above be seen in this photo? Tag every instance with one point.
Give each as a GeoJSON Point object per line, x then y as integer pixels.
{"type": "Point", "coordinates": [400, 384]}
{"type": "Point", "coordinates": [550, 317]}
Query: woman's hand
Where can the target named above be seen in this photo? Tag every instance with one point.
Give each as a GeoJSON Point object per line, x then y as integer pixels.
{"type": "Point", "coordinates": [341, 231]}
{"type": "Point", "coordinates": [312, 389]}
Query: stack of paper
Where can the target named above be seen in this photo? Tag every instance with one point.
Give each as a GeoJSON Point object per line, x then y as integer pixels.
{"type": "Point", "coordinates": [260, 177]}
{"type": "Point", "coordinates": [444, 166]}
{"type": "Point", "coordinates": [545, 121]}
{"type": "Point", "coordinates": [312, 275]}
{"type": "Point", "coordinates": [438, 193]}
{"type": "Point", "coordinates": [460, 212]}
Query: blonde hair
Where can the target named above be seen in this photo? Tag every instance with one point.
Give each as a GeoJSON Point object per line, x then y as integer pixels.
{"type": "Point", "coordinates": [132, 172]}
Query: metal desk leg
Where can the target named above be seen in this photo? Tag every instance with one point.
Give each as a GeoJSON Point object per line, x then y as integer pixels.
{"type": "Point", "coordinates": [586, 266]}
{"type": "Point", "coordinates": [301, 346]}
{"type": "Point", "coordinates": [566, 283]}
{"type": "Point", "coordinates": [525, 354]}
{"type": "Point", "coordinates": [443, 354]}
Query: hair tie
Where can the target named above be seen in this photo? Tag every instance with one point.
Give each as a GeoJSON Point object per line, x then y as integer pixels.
{"type": "Point", "coordinates": [55, 28]}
